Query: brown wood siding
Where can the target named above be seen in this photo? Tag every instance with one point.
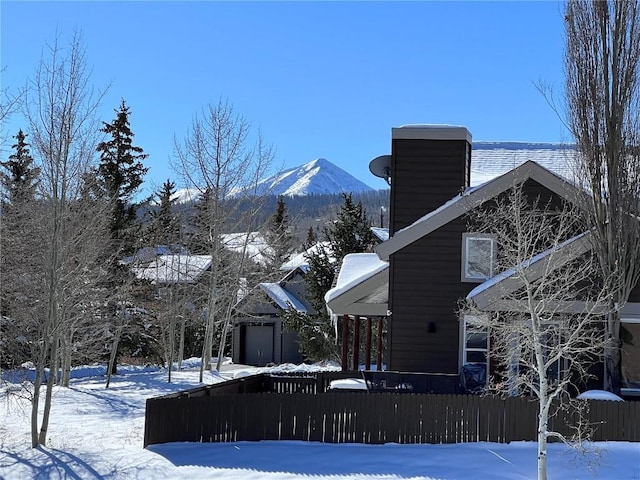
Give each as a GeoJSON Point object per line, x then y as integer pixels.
{"type": "Point", "coordinates": [635, 294]}
{"type": "Point", "coordinates": [426, 288]}
{"type": "Point", "coordinates": [425, 174]}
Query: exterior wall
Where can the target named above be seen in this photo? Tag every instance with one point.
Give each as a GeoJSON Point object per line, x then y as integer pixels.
{"type": "Point", "coordinates": [635, 294]}
{"type": "Point", "coordinates": [429, 166]}
{"type": "Point", "coordinates": [425, 287]}
{"type": "Point", "coordinates": [425, 174]}
{"type": "Point", "coordinates": [282, 348]}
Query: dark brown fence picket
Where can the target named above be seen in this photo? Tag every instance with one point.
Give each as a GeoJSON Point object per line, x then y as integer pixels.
{"type": "Point", "coordinates": [262, 407]}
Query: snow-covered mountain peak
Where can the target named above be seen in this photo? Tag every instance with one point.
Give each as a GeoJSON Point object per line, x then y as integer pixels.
{"type": "Point", "coordinates": [318, 176]}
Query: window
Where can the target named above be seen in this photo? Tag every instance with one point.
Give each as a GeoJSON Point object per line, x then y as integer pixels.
{"type": "Point", "coordinates": [478, 257]}
{"type": "Point", "coordinates": [630, 353]}
{"type": "Point", "coordinates": [521, 363]}
{"type": "Point", "coordinates": [476, 340]}
{"type": "Point", "coordinates": [475, 354]}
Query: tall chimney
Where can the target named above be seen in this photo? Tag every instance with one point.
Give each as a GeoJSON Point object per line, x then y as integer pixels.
{"type": "Point", "coordinates": [430, 164]}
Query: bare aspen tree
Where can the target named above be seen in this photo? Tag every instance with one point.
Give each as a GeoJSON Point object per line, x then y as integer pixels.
{"type": "Point", "coordinates": [602, 59]}
{"type": "Point", "coordinates": [542, 316]}
{"type": "Point", "coordinates": [9, 104]}
{"type": "Point", "coordinates": [218, 157]}
{"type": "Point", "coordinates": [60, 107]}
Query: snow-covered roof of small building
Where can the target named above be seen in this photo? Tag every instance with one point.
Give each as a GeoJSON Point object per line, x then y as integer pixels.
{"type": "Point", "coordinates": [361, 286]}
{"type": "Point", "coordinates": [177, 268]}
{"type": "Point", "coordinates": [283, 298]}
{"type": "Point", "coordinates": [381, 234]}
{"type": "Point", "coordinates": [252, 243]}
{"type": "Point", "coordinates": [299, 260]}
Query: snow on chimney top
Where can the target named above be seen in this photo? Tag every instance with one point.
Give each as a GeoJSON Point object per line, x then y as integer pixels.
{"type": "Point", "coordinates": [431, 132]}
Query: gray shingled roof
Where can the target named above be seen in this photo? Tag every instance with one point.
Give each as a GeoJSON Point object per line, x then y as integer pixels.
{"type": "Point", "coordinates": [492, 159]}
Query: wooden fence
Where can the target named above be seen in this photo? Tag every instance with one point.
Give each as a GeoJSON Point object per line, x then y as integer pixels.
{"type": "Point", "coordinates": [262, 407]}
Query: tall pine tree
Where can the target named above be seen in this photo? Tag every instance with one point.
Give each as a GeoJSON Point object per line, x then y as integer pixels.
{"type": "Point", "coordinates": [350, 233]}
{"type": "Point", "coordinates": [279, 237]}
{"type": "Point", "coordinates": [20, 180]}
{"type": "Point", "coordinates": [120, 174]}
{"type": "Point", "coordinates": [165, 223]}
{"type": "Point", "coordinates": [118, 177]}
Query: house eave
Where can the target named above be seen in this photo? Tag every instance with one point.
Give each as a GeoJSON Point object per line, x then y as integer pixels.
{"type": "Point", "coordinates": [465, 202]}
{"type": "Point", "coordinates": [352, 301]}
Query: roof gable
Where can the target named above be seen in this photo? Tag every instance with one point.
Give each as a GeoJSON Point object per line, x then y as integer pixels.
{"type": "Point", "coordinates": [282, 297]}
{"type": "Point", "coordinates": [472, 198]}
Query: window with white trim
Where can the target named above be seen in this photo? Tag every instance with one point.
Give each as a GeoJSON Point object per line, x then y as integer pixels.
{"type": "Point", "coordinates": [478, 256]}
{"type": "Point", "coordinates": [630, 353]}
{"type": "Point", "coordinates": [476, 341]}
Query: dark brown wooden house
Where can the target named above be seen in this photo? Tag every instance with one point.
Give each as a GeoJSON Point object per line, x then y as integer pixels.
{"type": "Point", "coordinates": [434, 261]}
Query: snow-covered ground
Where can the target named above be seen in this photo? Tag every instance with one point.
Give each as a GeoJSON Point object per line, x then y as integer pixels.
{"type": "Point", "coordinates": [98, 434]}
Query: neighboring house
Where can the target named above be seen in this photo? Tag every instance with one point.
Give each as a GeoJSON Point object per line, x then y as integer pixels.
{"type": "Point", "coordinates": [258, 335]}
{"type": "Point", "coordinates": [172, 268]}
{"type": "Point", "coordinates": [431, 261]}
{"type": "Point", "coordinates": [252, 245]}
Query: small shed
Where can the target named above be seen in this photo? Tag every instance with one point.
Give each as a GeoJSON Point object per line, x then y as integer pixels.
{"type": "Point", "coordinates": [259, 337]}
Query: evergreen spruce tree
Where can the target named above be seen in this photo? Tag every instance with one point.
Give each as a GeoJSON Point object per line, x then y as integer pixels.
{"type": "Point", "coordinates": [279, 236]}
{"type": "Point", "coordinates": [120, 174]}
{"type": "Point", "coordinates": [350, 233]}
{"type": "Point", "coordinates": [118, 177]}
{"type": "Point", "coordinates": [18, 226]}
{"type": "Point", "coordinates": [20, 180]}
{"type": "Point", "coordinates": [165, 222]}
{"type": "Point", "coordinates": [311, 237]}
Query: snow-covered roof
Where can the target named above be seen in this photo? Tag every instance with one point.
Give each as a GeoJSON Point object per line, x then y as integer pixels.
{"type": "Point", "coordinates": [492, 159]}
{"type": "Point", "coordinates": [361, 286]}
{"type": "Point", "coordinates": [299, 260]}
{"type": "Point", "coordinates": [381, 234]}
{"type": "Point", "coordinates": [178, 268]}
{"type": "Point", "coordinates": [252, 243]}
{"type": "Point", "coordinates": [283, 298]}
{"type": "Point", "coordinates": [492, 294]}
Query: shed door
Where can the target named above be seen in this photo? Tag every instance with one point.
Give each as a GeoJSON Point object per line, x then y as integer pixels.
{"type": "Point", "coordinates": [290, 348]}
{"type": "Point", "coordinates": [259, 345]}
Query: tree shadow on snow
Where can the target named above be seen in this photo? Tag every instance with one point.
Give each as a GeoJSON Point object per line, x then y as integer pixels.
{"type": "Point", "coordinates": [56, 464]}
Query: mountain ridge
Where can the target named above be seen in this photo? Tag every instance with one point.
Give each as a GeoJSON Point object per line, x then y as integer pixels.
{"type": "Point", "coordinates": [317, 177]}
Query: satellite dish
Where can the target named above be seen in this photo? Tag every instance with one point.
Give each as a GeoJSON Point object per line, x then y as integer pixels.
{"type": "Point", "coordinates": [381, 167]}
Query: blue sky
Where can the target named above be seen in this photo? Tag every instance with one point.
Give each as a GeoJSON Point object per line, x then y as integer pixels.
{"type": "Point", "coordinates": [319, 79]}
